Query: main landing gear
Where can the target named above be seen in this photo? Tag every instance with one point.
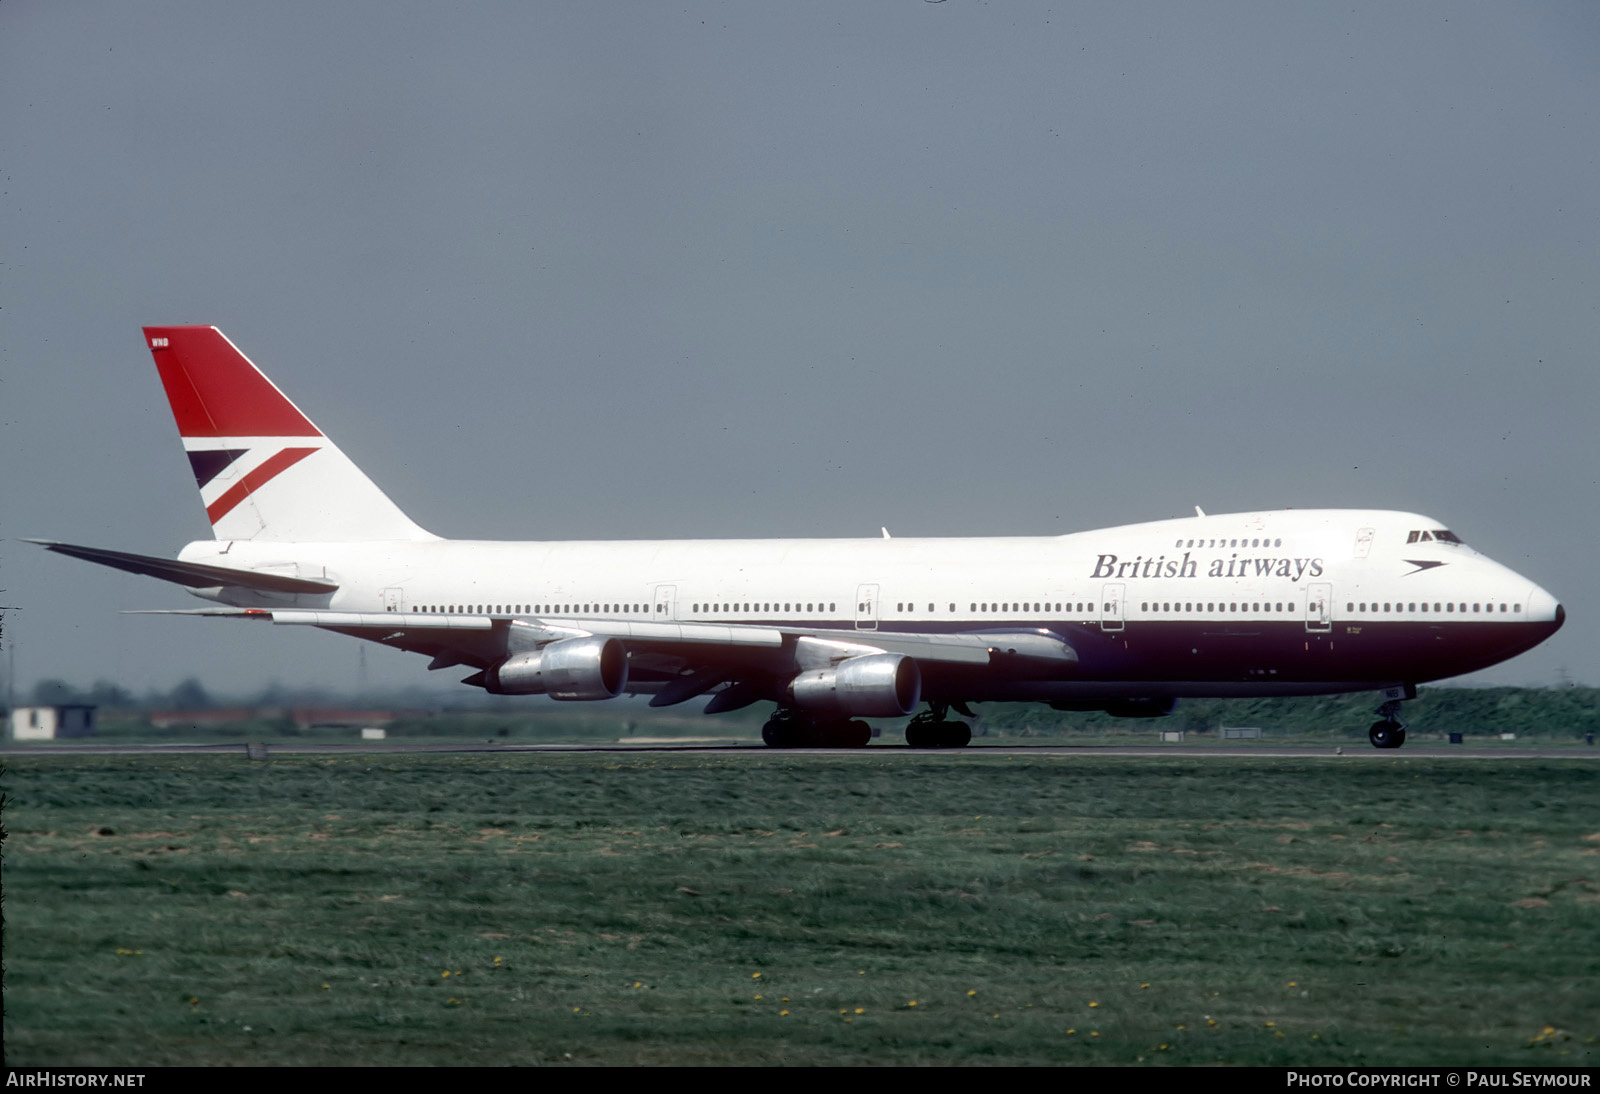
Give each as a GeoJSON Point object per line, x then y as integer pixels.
{"type": "Point", "coordinates": [1390, 732]}
{"type": "Point", "coordinates": [934, 728]}
{"type": "Point", "coordinates": [789, 728]}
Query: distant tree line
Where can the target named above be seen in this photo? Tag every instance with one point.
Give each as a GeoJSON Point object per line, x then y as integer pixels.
{"type": "Point", "coordinates": [1535, 711]}
{"type": "Point", "coordinates": [188, 695]}
{"type": "Point", "coordinates": [191, 694]}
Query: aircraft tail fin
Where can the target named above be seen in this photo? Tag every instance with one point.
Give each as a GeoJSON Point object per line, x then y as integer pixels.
{"type": "Point", "coordinates": [264, 471]}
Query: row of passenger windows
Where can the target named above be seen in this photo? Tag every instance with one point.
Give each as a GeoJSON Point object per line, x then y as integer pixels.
{"type": "Point", "coordinates": [1012, 606]}
{"type": "Point", "coordinates": [985, 607]}
{"type": "Point", "coordinates": [538, 609]}
{"type": "Point", "coordinates": [1352, 606]}
{"type": "Point", "coordinates": [1229, 543]}
{"type": "Point", "coordinates": [1197, 606]}
{"type": "Point", "coordinates": [773, 606]}
{"type": "Point", "coordinates": [1396, 606]}
{"type": "Point", "coordinates": [1023, 607]}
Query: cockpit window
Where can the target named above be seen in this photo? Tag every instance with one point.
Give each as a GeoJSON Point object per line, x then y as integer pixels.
{"type": "Point", "coordinates": [1430, 535]}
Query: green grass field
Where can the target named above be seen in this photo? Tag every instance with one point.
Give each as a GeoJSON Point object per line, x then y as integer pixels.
{"type": "Point", "coordinates": [888, 907]}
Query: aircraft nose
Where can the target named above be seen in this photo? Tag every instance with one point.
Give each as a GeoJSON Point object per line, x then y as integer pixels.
{"type": "Point", "coordinates": [1545, 612]}
{"type": "Point", "coordinates": [1542, 608]}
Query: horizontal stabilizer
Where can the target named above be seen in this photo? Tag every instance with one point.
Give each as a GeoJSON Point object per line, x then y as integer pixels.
{"type": "Point", "coordinates": [194, 575]}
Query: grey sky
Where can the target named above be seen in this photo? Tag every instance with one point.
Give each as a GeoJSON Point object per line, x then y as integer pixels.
{"type": "Point", "coordinates": [695, 269]}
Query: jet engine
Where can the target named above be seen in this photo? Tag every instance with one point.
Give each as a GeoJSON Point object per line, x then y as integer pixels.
{"type": "Point", "coordinates": [879, 685]}
{"type": "Point", "coordinates": [572, 669]}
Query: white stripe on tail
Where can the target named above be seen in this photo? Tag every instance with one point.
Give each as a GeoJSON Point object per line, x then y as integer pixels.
{"type": "Point", "coordinates": [264, 471]}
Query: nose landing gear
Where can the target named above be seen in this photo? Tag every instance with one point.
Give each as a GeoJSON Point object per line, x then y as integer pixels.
{"type": "Point", "coordinates": [1390, 732]}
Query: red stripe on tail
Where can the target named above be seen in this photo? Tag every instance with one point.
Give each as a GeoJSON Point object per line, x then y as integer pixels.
{"type": "Point", "coordinates": [256, 479]}
{"type": "Point", "coordinates": [216, 392]}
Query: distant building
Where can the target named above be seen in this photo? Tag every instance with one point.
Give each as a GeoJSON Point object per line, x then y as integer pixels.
{"type": "Point", "coordinates": [51, 722]}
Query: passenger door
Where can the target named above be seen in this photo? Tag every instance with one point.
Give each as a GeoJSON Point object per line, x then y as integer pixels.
{"type": "Point", "coordinates": [866, 607]}
{"type": "Point", "coordinates": [1319, 607]}
{"type": "Point", "coordinates": [1111, 607]}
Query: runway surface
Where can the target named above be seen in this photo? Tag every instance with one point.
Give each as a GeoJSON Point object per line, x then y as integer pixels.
{"type": "Point", "coordinates": [1353, 750]}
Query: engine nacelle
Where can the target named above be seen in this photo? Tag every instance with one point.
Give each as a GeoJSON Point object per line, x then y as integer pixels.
{"type": "Point", "coordinates": [572, 669]}
{"type": "Point", "coordinates": [878, 685]}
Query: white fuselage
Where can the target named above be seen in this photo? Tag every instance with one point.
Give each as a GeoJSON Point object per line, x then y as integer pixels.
{"type": "Point", "coordinates": [1231, 604]}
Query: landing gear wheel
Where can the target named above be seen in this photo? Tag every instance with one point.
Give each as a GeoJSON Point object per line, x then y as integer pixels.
{"type": "Point", "coordinates": [786, 729]}
{"type": "Point", "coordinates": [791, 729]}
{"type": "Point", "coordinates": [926, 731]}
{"type": "Point", "coordinates": [839, 734]}
{"type": "Point", "coordinates": [1390, 732]}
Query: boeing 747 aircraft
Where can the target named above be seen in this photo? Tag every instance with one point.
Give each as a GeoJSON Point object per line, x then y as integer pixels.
{"type": "Point", "coordinates": [1126, 620]}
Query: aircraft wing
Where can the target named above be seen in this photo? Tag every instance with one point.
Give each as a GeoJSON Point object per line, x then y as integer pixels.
{"type": "Point", "coordinates": [677, 661]}
{"type": "Point", "coordinates": [972, 648]}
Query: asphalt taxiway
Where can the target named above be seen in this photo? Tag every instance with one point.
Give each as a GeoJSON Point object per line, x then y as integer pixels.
{"type": "Point", "coordinates": [1353, 750]}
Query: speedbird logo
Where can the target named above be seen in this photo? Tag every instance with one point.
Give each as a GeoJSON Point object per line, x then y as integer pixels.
{"type": "Point", "coordinates": [1109, 566]}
